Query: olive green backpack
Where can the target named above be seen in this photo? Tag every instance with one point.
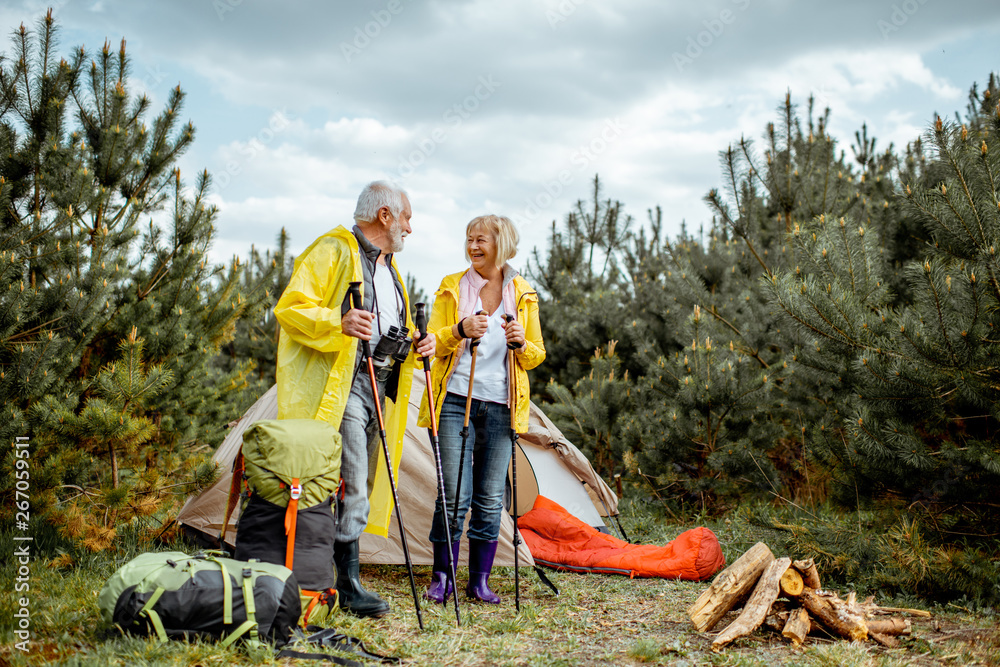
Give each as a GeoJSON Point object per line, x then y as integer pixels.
{"type": "Point", "coordinates": [174, 595]}
{"type": "Point", "coordinates": [289, 470]}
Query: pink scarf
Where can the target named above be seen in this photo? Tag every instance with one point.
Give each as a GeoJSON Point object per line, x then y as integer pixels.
{"type": "Point", "coordinates": [472, 284]}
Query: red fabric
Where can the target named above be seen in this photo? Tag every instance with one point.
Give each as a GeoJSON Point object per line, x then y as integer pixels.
{"type": "Point", "coordinates": [558, 539]}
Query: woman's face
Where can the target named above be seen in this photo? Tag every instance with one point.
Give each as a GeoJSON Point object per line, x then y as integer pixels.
{"type": "Point", "coordinates": [482, 249]}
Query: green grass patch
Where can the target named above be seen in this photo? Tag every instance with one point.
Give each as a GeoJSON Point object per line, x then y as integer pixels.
{"type": "Point", "coordinates": [595, 620]}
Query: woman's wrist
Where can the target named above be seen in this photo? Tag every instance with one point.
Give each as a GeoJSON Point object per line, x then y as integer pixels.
{"type": "Point", "coordinates": [461, 329]}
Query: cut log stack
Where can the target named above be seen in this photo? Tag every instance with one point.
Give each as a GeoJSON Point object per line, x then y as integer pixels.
{"type": "Point", "coordinates": [757, 579]}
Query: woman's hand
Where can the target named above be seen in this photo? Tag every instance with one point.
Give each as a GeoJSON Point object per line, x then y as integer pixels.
{"type": "Point", "coordinates": [515, 333]}
{"type": "Point", "coordinates": [474, 326]}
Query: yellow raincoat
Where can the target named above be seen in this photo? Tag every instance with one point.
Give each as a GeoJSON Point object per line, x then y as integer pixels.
{"type": "Point", "coordinates": [449, 348]}
{"type": "Point", "coordinates": [316, 360]}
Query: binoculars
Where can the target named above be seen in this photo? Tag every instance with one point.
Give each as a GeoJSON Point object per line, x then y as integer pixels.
{"type": "Point", "coordinates": [393, 346]}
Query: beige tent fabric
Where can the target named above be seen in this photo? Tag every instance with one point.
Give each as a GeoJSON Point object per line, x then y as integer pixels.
{"type": "Point", "coordinates": [417, 490]}
{"type": "Point", "coordinates": [416, 486]}
{"type": "Point", "coordinates": [543, 433]}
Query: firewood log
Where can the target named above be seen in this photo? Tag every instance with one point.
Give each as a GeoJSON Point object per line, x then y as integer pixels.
{"type": "Point", "coordinates": [729, 587]}
{"type": "Point", "coordinates": [791, 583]}
{"type": "Point", "coordinates": [889, 626]}
{"type": "Point", "coordinates": [776, 618]}
{"type": "Point", "coordinates": [901, 610]}
{"type": "Point", "coordinates": [810, 575]}
{"type": "Point", "coordinates": [834, 614]}
{"type": "Point", "coordinates": [763, 596]}
{"type": "Point", "coordinates": [798, 626]}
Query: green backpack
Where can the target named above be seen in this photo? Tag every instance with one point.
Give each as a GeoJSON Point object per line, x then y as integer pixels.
{"type": "Point", "coordinates": [291, 470]}
{"type": "Point", "coordinates": [174, 595]}
{"type": "Point", "coordinates": [279, 453]}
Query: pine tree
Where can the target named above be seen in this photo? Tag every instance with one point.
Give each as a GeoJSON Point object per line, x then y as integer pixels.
{"type": "Point", "coordinates": [581, 305]}
{"type": "Point", "coordinates": [920, 409]}
{"type": "Point", "coordinates": [101, 242]}
{"type": "Point", "coordinates": [256, 337]}
{"type": "Point", "coordinates": [593, 412]}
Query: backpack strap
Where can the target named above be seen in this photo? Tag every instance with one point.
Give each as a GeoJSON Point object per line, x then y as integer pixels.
{"type": "Point", "coordinates": [291, 516]}
{"type": "Point", "coordinates": [326, 657]}
{"type": "Point", "coordinates": [251, 623]}
{"type": "Point", "coordinates": [317, 598]}
{"type": "Point", "coordinates": [150, 613]}
{"type": "Point", "coordinates": [248, 601]}
{"type": "Point", "coordinates": [234, 493]}
{"type": "Point", "coordinates": [227, 592]}
{"type": "Point", "coordinates": [329, 638]}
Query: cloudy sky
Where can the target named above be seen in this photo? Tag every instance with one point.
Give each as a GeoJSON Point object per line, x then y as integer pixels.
{"type": "Point", "coordinates": [511, 107]}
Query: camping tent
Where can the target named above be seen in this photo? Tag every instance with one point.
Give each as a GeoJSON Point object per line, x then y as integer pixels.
{"type": "Point", "coordinates": [547, 464]}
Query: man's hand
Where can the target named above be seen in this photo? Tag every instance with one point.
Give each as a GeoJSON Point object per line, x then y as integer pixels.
{"type": "Point", "coordinates": [357, 324]}
{"type": "Point", "coordinates": [515, 332]}
{"type": "Point", "coordinates": [425, 346]}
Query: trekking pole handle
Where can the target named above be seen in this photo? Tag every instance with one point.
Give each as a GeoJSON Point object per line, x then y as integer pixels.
{"type": "Point", "coordinates": [474, 343]}
{"type": "Point", "coordinates": [509, 318]}
{"type": "Point", "coordinates": [354, 291]}
{"type": "Point", "coordinates": [420, 319]}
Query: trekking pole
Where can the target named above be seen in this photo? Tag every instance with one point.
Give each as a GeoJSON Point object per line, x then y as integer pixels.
{"type": "Point", "coordinates": [355, 291]}
{"type": "Point", "coordinates": [421, 321]}
{"type": "Point", "coordinates": [473, 344]}
{"type": "Point", "coordinates": [516, 539]}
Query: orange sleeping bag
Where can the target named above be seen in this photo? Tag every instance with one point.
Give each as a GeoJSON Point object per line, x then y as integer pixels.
{"type": "Point", "coordinates": [559, 540]}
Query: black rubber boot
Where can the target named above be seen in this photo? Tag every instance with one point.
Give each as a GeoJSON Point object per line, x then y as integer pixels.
{"type": "Point", "coordinates": [351, 595]}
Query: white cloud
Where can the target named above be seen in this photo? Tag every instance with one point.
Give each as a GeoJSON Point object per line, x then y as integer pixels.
{"type": "Point", "coordinates": [411, 104]}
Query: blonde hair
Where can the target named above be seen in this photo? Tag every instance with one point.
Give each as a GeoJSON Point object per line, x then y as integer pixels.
{"type": "Point", "coordinates": [504, 233]}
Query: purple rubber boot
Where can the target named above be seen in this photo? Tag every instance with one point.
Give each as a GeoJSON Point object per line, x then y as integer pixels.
{"type": "Point", "coordinates": [481, 556]}
{"type": "Point", "coordinates": [440, 589]}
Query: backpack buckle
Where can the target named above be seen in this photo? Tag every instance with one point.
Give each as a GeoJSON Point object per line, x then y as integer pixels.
{"type": "Point", "coordinates": [296, 491]}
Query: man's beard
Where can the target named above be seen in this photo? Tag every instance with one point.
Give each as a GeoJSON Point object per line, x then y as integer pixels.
{"type": "Point", "coordinates": [396, 236]}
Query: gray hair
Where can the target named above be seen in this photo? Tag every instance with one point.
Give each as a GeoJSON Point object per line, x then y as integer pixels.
{"type": "Point", "coordinates": [376, 195]}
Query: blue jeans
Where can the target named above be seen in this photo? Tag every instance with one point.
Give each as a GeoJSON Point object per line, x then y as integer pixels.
{"type": "Point", "coordinates": [484, 472]}
{"type": "Point", "coordinates": [361, 445]}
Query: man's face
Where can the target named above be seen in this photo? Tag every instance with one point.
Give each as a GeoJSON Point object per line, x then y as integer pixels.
{"type": "Point", "coordinates": [399, 228]}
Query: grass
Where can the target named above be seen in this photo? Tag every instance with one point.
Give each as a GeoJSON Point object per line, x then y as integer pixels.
{"type": "Point", "coordinates": [596, 620]}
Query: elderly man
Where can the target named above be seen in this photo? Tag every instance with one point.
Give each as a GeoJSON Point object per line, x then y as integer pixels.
{"type": "Point", "coordinates": [319, 365]}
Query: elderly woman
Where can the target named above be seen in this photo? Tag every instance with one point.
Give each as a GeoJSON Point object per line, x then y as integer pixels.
{"type": "Point", "coordinates": [471, 305]}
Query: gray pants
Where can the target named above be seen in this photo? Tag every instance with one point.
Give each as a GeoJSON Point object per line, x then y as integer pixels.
{"type": "Point", "coordinates": [361, 446]}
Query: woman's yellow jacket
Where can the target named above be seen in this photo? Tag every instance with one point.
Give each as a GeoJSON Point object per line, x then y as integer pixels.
{"type": "Point", "coordinates": [449, 348]}
{"type": "Point", "coordinates": [316, 360]}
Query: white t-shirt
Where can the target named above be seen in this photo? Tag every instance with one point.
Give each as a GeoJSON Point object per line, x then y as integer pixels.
{"type": "Point", "coordinates": [490, 383]}
{"type": "Point", "coordinates": [387, 301]}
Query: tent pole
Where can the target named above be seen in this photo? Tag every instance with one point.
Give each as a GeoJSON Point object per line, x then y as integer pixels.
{"type": "Point", "coordinates": [621, 530]}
